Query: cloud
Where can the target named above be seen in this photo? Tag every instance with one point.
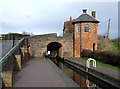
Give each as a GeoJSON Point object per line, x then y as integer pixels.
{"type": "Point", "coordinates": [44, 16]}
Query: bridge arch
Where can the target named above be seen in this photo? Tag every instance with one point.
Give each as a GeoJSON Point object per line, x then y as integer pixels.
{"type": "Point", "coordinates": [55, 49]}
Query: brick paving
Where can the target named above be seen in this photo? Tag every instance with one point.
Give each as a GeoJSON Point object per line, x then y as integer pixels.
{"type": "Point", "coordinates": [38, 72]}
{"type": "Point", "coordinates": [102, 69]}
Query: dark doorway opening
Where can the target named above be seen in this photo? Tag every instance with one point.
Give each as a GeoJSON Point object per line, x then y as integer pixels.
{"type": "Point", "coordinates": [55, 49]}
{"type": "Point", "coordinates": [93, 46]}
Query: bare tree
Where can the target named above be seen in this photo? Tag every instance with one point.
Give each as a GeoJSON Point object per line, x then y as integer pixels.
{"type": "Point", "coordinates": [31, 34]}
{"type": "Point", "coordinates": [25, 33]}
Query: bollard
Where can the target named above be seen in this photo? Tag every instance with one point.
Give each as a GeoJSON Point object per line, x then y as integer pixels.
{"type": "Point", "coordinates": [17, 62]}
{"type": "Point", "coordinates": [23, 52]}
{"type": "Point", "coordinates": [30, 50]}
{"type": "Point", "coordinates": [7, 78]}
{"type": "Point", "coordinates": [6, 73]}
{"type": "Point", "coordinates": [26, 53]}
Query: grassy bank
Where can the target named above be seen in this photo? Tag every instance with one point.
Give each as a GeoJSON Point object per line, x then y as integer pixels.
{"type": "Point", "coordinates": [2, 41]}
{"type": "Point", "coordinates": [102, 64]}
{"type": "Point", "coordinates": [108, 45]}
{"type": "Point", "coordinates": [115, 46]}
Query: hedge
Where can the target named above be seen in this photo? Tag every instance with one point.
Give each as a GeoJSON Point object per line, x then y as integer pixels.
{"type": "Point", "coordinates": [103, 56]}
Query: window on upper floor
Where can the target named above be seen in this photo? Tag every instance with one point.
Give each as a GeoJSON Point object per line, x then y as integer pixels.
{"type": "Point", "coordinates": [78, 28]}
{"type": "Point", "coordinates": [86, 28]}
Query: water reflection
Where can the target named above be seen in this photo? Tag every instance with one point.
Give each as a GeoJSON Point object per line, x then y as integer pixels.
{"type": "Point", "coordinates": [79, 79]}
{"type": "Point", "coordinates": [84, 80]}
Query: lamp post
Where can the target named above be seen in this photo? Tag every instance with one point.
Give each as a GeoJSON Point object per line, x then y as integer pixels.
{"type": "Point", "coordinates": [13, 41]}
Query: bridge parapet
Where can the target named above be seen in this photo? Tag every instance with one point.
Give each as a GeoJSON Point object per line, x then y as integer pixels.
{"type": "Point", "coordinates": [39, 44]}
{"type": "Point", "coordinates": [12, 61]}
{"type": "Point", "coordinates": [32, 46]}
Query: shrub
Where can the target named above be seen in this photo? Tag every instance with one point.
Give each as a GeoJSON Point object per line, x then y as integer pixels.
{"type": "Point", "coordinates": [103, 56]}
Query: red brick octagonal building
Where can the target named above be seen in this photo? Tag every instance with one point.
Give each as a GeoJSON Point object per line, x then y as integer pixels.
{"type": "Point", "coordinates": [84, 29]}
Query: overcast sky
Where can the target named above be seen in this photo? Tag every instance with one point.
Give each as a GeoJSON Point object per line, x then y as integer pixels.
{"type": "Point", "coordinates": [48, 16]}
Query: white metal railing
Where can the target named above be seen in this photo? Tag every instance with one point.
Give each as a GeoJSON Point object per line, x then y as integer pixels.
{"type": "Point", "coordinates": [88, 63]}
{"type": "Point", "coordinates": [88, 66]}
{"type": "Point", "coordinates": [5, 58]}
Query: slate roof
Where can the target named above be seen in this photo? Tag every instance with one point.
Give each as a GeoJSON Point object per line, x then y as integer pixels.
{"type": "Point", "coordinates": [85, 18]}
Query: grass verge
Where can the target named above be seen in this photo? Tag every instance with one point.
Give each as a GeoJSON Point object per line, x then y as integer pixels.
{"type": "Point", "coordinates": [2, 41]}
{"type": "Point", "coordinates": [108, 45]}
{"type": "Point", "coordinates": [103, 64]}
{"type": "Point", "coordinates": [115, 46]}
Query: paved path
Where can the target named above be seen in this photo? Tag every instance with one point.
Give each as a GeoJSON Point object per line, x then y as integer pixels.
{"type": "Point", "coordinates": [41, 72]}
{"type": "Point", "coordinates": [6, 46]}
{"type": "Point", "coordinates": [102, 69]}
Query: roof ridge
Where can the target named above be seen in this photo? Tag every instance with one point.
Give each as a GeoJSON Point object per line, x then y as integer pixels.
{"type": "Point", "coordinates": [92, 17]}
{"type": "Point", "coordinates": [85, 18]}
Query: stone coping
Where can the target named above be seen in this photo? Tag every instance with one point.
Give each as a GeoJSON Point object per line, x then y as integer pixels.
{"type": "Point", "coordinates": [112, 72]}
{"type": "Point", "coordinates": [94, 72]}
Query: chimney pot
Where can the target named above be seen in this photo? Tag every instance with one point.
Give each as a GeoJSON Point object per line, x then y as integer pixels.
{"type": "Point", "coordinates": [84, 11]}
{"type": "Point", "coordinates": [93, 13]}
{"type": "Point", "coordinates": [70, 18]}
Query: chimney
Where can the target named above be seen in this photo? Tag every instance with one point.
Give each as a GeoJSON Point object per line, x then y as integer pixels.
{"type": "Point", "coordinates": [93, 14]}
{"type": "Point", "coordinates": [84, 11]}
{"type": "Point", "coordinates": [70, 18]}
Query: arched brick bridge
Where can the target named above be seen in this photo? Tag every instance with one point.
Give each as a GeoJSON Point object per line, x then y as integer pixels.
{"type": "Point", "coordinates": [50, 42]}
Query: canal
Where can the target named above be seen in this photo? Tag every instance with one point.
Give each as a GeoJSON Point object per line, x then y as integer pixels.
{"type": "Point", "coordinates": [84, 80]}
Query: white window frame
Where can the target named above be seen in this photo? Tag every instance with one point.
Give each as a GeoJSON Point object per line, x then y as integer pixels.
{"type": "Point", "coordinates": [86, 28]}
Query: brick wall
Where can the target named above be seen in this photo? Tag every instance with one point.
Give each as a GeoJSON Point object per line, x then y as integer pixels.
{"type": "Point", "coordinates": [76, 41]}
{"type": "Point", "coordinates": [39, 44]}
{"type": "Point", "coordinates": [87, 38]}
{"type": "Point", "coordinates": [68, 45]}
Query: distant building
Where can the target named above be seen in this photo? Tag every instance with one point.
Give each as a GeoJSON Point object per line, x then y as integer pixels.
{"type": "Point", "coordinates": [10, 36]}
{"type": "Point", "coordinates": [15, 35]}
{"type": "Point", "coordinates": [3, 36]}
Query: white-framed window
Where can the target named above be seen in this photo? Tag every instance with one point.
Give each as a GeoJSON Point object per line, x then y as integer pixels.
{"type": "Point", "coordinates": [78, 28]}
{"type": "Point", "coordinates": [87, 28]}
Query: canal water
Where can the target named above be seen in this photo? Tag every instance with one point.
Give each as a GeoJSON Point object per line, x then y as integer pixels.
{"type": "Point", "coordinates": [84, 80]}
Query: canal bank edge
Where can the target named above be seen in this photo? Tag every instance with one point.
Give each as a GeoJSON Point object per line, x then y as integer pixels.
{"type": "Point", "coordinates": [112, 80]}
{"type": "Point", "coordinates": [69, 82]}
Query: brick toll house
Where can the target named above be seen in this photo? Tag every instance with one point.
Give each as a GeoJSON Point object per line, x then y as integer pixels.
{"type": "Point", "coordinates": [78, 34]}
